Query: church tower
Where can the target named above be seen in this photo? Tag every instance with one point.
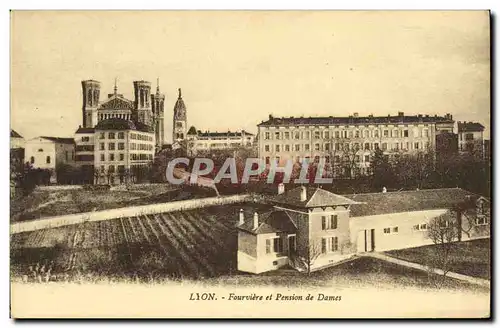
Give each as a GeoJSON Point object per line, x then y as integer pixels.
{"type": "Point", "coordinates": [91, 90]}
{"type": "Point", "coordinates": [180, 120]}
{"type": "Point", "coordinates": [142, 93]}
{"type": "Point", "coordinates": [158, 101]}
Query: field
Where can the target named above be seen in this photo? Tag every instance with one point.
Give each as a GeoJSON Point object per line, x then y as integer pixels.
{"type": "Point", "coordinates": [196, 243]}
{"type": "Point", "coordinates": [468, 257]}
{"type": "Point", "coordinates": [42, 203]}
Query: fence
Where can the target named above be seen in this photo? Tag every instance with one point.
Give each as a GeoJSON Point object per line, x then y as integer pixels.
{"type": "Point", "coordinates": [60, 221]}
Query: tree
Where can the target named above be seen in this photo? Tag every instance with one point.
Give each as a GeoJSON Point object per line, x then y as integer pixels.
{"type": "Point", "coordinates": [443, 231]}
{"type": "Point", "coordinates": [308, 257]}
{"type": "Point", "coordinates": [381, 170]}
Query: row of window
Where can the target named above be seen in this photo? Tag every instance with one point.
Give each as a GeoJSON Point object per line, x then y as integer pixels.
{"type": "Point", "coordinates": [337, 159]}
{"type": "Point", "coordinates": [329, 223]}
{"type": "Point", "coordinates": [112, 135]}
{"type": "Point", "coordinates": [344, 134]}
{"type": "Point", "coordinates": [121, 146]}
{"type": "Point", "coordinates": [142, 137]}
{"type": "Point", "coordinates": [133, 157]}
{"type": "Point", "coordinates": [347, 146]}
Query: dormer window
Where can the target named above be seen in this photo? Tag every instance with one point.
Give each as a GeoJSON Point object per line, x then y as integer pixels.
{"type": "Point", "coordinates": [40, 150]}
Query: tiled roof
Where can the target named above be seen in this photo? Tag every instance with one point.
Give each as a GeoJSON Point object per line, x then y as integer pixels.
{"type": "Point", "coordinates": [470, 127]}
{"type": "Point", "coordinates": [14, 134]}
{"type": "Point", "coordinates": [408, 201]}
{"type": "Point", "coordinates": [331, 120]}
{"type": "Point", "coordinates": [59, 140]}
{"type": "Point", "coordinates": [85, 130]}
{"type": "Point", "coordinates": [315, 197]}
{"type": "Point", "coordinates": [269, 222]}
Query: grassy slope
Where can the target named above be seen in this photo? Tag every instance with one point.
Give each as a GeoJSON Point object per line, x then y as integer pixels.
{"type": "Point", "coordinates": [468, 257]}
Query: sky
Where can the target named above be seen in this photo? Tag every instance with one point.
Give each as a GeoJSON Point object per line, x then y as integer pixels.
{"type": "Point", "coordinates": [236, 68]}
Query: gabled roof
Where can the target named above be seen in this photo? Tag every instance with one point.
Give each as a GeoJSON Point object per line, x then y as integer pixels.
{"type": "Point", "coordinates": [315, 197]}
{"type": "Point", "coordinates": [192, 131]}
{"type": "Point", "coordinates": [470, 127]}
{"type": "Point", "coordinates": [270, 222]}
{"type": "Point", "coordinates": [408, 201]}
{"type": "Point", "coordinates": [59, 140]}
{"type": "Point", "coordinates": [14, 134]}
{"type": "Point", "coordinates": [117, 102]}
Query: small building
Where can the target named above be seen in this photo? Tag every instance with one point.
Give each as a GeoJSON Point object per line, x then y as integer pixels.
{"type": "Point", "coordinates": [470, 138]}
{"type": "Point", "coordinates": [16, 140]}
{"type": "Point", "coordinates": [200, 142]}
{"type": "Point", "coordinates": [50, 153]}
{"type": "Point", "coordinates": [312, 228]}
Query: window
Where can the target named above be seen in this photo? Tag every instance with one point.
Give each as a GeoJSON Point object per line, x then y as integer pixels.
{"type": "Point", "coordinates": [395, 229]}
{"type": "Point", "coordinates": [375, 134]}
{"type": "Point", "coordinates": [386, 133]}
{"type": "Point", "coordinates": [85, 139]}
{"type": "Point", "coordinates": [111, 146]}
{"type": "Point", "coordinates": [367, 158]}
{"type": "Point", "coordinates": [387, 230]}
{"type": "Point", "coordinates": [274, 245]}
{"type": "Point", "coordinates": [101, 145]}
{"type": "Point", "coordinates": [297, 147]}
{"type": "Point", "coordinates": [102, 157]}
{"type": "Point", "coordinates": [297, 135]}
{"type": "Point", "coordinates": [415, 132]}
{"type": "Point", "coordinates": [277, 148]}
{"type": "Point", "coordinates": [356, 146]}
{"type": "Point", "coordinates": [121, 135]}
{"type": "Point", "coordinates": [426, 133]}
{"type": "Point", "coordinates": [111, 157]}
{"type": "Point", "coordinates": [356, 133]}
{"type": "Point", "coordinates": [316, 146]}
{"type": "Point", "coordinates": [329, 222]}
{"type": "Point", "coordinates": [395, 133]}
{"type": "Point", "coordinates": [277, 135]}
{"type": "Point", "coordinates": [327, 135]}
{"type": "Point", "coordinates": [375, 145]}
{"type": "Point", "coordinates": [267, 135]}
{"type": "Point", "coordinates": [469, 136]}
{"type": "Point", "coordinates": [268, 160]}
{"type": "Point", "coordinates": [337, 134]}
{"type": "Point", "coordinates": [337, 146]}
{"type": "Point", "coordinates": [327, 159]}
{"type": "Point", "coordinates": [32, 160]}
{"type": "Point", "coordinates": [111, 135]}
{"type": "Point", "coordinates": [121, 146]}
{"type": "Point", "coordinates": [287, 135]}
{"type": "Point", "coordinates": [178, 124]}
{"type": "Point", "coordinates": [316, 135]}
{"type": "Point", "coordinates": [122, 157]}
{"type": "Point", "coordinates": [415, 145]}
{"type": "Point", "coordinates": [287, 147]}
{"type": "Point", "coordinates": [384, 146]}
{"type": "Point", "coordinates": [357, 158]}
{"type": "Point", "coordinates": [47, 160]}
{"type": "Point", "coordinates": [481, 220]}
{"type": "Point", "coordinates": [101, 135]}
{"type": "Point", "coordinates": [396, 146]}
{"type": "Point", "coordinates": [405, 133]}
{"type": "Point", "coordinates": [306, 147]}
{"type": "Point", "coordinates": [327, 147]}
{"type": "Point", "coordinates": [266, 147]}
{"type": "Point", "coordinates": [420, 227]}
{"type": "Point", "coordinates": [367, 146]}
{"type": "Point", "coordinates": [329, 244]}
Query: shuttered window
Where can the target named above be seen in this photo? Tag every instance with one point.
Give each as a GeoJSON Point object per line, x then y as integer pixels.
{"type": "Point", "coordinates": [323, 222]}
{"type": "Point", "coordinates": [333, 222]}
{"type": "Point", "coordinates": [323, 245]}
{"type": "Point", "coordinates": [334, 244]}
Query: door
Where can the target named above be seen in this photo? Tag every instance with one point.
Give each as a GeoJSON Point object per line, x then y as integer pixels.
{"type": "Point", "coordinates": [372, 234]}
{"type": "Point", "coordinates": [361, 241]}
{"type": "Point", "coordinates": [292, 246]}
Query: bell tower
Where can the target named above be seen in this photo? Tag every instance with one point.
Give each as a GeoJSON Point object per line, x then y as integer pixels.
{"type": "Point", "coordinates": [91, 91]}
{"type": "Point", "coordinates": [158, 102]}
{"type": "Point", "coordinates": [180, 120]}
{"type": "Point", "coordinates": [142, 98]}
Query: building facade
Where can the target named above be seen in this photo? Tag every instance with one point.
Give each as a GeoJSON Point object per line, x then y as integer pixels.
{"type": "Point", "coordinates": [50, 153]}
{"type": "Point", "coordinates": [352, 138]}
{"type": "Point", "coordinates": [200, 142]}
{"type": "Point", "coordinates": [118, 135]}
{"type": "Point", "coordinates": [16, 140]}
{"type": "Point", "coordinates": [470, 138]}
{"type": "Point", "coordinates": [310, 228]}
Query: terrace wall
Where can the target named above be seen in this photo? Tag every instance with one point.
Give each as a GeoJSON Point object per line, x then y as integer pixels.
{"type": "Point", "coordinates": [64, 220]}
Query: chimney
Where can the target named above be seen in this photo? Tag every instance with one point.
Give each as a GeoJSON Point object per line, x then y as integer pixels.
{"type": "Point", "coordinates": [401, 114]}
{"type": "Point", "coordinates": [255, 220]}
{"type": "Point", "coordinates": [356, 114]}
{"type": "Point", "coordinates": [242, 217]}
{"type": "Point", "coordinates": [271, 116]}
{"type": "Point", "coordinates": [281, 188]}
{"type": "Point", "coordinates": [303, 194]}
{"type": "Point", "coordinates": [384, 190]}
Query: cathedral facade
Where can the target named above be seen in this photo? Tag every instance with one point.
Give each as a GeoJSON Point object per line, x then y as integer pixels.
{"type": "Point", "coordinates": [118, 135]}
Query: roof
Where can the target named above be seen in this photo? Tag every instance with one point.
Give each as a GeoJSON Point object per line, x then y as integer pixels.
{"type": "Point", "coordinates": [331, 120]}
{"type": "Point", "coordinates": [208, 134]}
{"type": "Point", "coordinates": [408, 201]}
{"type": "Point", "coordinates": [315, 197]}
{"type": "Point", "coordinates": [180, 108]}
{"type": "Point", "coordinates": [117, 102]}
{"type": "Point", "coordinates": [270, 222]}
{"type": "Point", "coordinates": [85, 130]}
{"type": "Point", "coordinates": [14, 134]}
{"type": "Point", "coordinates": [192, 131]}
{"type": "Point", "coordinates": [59, 140]}
{"type": "Point", "coordinates": [115, 124]}
{"type": "Point", "coordinates": [470, 127]}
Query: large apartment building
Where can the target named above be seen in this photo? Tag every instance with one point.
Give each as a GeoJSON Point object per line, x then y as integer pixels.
{"type": "Point", "coordinates": [353, 137]}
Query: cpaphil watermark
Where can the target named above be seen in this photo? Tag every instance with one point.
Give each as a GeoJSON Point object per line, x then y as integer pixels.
{"type": "Point", "coordinates": [254, 167]}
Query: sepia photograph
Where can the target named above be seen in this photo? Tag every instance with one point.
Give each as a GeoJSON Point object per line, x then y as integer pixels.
{"type": "Point", "coordinates": [250, 164]}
